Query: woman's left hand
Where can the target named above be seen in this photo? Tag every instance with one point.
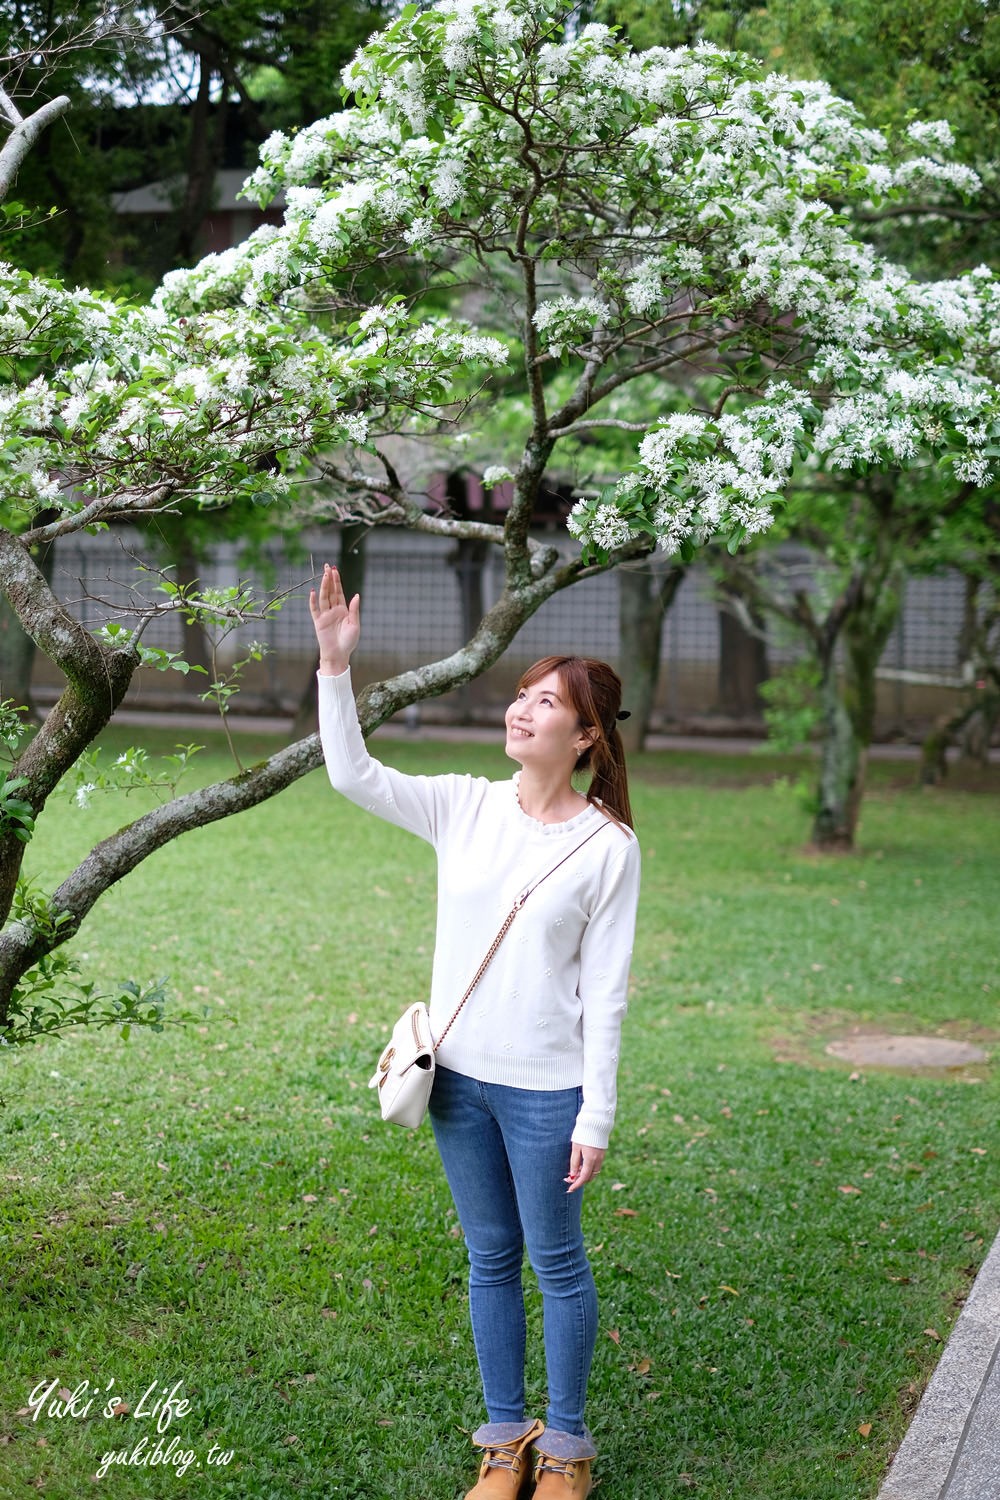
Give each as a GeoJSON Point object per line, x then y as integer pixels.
{"type": "Point", "coordinates": [584, 1163]}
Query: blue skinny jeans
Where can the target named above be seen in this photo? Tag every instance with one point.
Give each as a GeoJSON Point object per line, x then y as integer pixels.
{"type": "Point", "coordinates": [505, 1153]}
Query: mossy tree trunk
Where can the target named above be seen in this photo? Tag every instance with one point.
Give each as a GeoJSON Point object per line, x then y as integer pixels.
{"type": "Point", "coordinates": [17, 649]}
{"type": "Point", "coordinates": [848, 699]}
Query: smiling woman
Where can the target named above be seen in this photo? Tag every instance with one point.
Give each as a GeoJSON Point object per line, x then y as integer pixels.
{"type": "Point", "coordinates": [589, 693]}
{"type": "Point", "coordinates": [524, 1092]}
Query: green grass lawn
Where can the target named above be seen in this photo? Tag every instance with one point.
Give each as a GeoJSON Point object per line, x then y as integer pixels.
{"type": "Point", "coordinates": [780, 1244]}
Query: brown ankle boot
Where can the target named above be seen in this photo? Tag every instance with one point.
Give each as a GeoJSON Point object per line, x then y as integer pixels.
{"type": "Point", "coordinates": [562, 1478]}
{"type": "Point", "coordinates": [563, 1468]}
{"type": "Point", "coordinates": [505, 1472]}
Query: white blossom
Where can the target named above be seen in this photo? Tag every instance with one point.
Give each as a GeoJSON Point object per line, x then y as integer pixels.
{"type": "Point", "coordinates": [974, 469]}
{"type": "Point", "coordinates": [706, 211]}
{"type": "Point", "coordinates": [302, 202]}
{"type": "Point", "coordinates": [931, 133]}
{"type": "Point", "coordinates": [447, 181]}
{"type": "Point", "coordinates": [570, 315]}
{"type": "Point", "coordinates": [356, 427]}
{"type": "Point", "coordinates": [689, 260]}
{"type": "Point", "coordinates": [609, 528]}
{"type": "Point", "coordinates": [420, 232]}
{"type": "Point", "coordinates": [373, 316]}
{"type": "Point", "coordinates": [925, 170]}
{"type": "Point", "coordinates": [476, 347]}
{"type": "Point", "coordinates": [644, 287]}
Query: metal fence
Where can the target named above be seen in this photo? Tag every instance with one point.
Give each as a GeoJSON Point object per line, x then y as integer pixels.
{"type": "Point", "coordinates": [413, 612]}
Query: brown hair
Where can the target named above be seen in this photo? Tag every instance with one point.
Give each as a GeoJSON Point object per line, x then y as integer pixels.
{"type": "Point", "coordinates": [594, 691]}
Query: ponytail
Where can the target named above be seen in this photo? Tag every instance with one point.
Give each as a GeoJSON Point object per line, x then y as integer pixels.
{"type": "Point", "coordinates": [605, 759]}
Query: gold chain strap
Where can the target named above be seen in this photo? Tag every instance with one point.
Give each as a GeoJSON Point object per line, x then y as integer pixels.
{"type": "Point", "coordinates": [505, 928]}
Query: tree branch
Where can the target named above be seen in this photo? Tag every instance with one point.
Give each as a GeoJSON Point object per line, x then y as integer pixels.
{"type": "Point", "coordinates": [24, 135]}
{"type": "Point", "coordinates": [97, 681]}
{"type": "Point", "coordinates": [747, 587]}
{"type": "Point", "coordinates": [404, 511]}
{"type": "Point", "coordinates": [924, 210]}
{"type": "Point", "coordinates": [651, 367]}
{"type": "Point", "coordinates": [98, 510]}
{"type": "Point", "coordinates": [737, 606]}
{"type": "Point", "coordinates": [616, 422]}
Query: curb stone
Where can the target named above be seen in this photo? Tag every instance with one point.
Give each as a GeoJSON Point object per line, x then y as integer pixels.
{"type": "Point", "coordinates": [952, 1448]}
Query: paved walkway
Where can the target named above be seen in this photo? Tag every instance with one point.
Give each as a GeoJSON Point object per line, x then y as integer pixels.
{"type": "Point", "coordinates": [952, 1448]}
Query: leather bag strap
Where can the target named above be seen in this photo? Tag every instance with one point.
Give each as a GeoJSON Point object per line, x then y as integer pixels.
{"type": "Point", "coordinates": [505, 928]}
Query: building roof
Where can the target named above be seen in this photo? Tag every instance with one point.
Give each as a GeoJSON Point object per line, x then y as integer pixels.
{"type": "Point", "coordinates": [162, 197]}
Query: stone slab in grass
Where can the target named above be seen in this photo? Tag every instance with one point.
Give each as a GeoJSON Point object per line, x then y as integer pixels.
{"type": "Point", "coordinates": [883, 1050]}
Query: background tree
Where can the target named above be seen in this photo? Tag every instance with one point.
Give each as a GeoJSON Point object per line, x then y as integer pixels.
{"type": "Point", "coordinates": [973, 722]}
{"type": "Point", "coordinates": [842, 599]}
{"type": "Point", "coordinates": [743, 657]}
{"type": "Point", "coordinates": [167, 93]}
{"type": "Point", "coordinates": [638, 214]}
{"type": "Point", "coordinates": [646, 590]}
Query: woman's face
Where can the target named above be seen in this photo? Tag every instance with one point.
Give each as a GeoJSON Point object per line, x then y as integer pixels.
{"type": "Point", "coordinates": [543, 729]}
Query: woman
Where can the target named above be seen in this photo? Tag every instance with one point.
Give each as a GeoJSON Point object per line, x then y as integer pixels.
{"type": "Point", "coordinates": [524, 1093]}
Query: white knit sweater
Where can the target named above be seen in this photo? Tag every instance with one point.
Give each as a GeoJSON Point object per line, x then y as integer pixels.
{"type": "Point", "coordinates": [547, 1013]}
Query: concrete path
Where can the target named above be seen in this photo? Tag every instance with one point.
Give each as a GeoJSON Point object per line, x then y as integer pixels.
{"type": "Point", "coordinates": [952, 1448]}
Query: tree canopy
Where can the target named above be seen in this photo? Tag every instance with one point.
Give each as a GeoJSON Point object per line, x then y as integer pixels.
{"type": "Point", "coordinates": [896, 64]}
{"type": "Point", "coordinates": [672, 208]}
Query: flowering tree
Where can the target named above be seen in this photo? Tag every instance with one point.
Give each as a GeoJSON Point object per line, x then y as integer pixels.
{"type": "Point", "coordinates": [626, 227]}
{"type": "Point", "coordinates": [893, 66]}
{"type": "Point", "coordinates": [936, 63]}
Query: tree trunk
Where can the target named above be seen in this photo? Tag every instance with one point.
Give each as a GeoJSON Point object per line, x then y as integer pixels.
{"type": "Point", "coordinates": [842, 766]}
{"type": "Point", "coordinates": [934, 752]}
{"type": "Point", "coordinates": [17, 649]}
{"type": "Point", "coordinates": [848, 708]}
{"type": "Point", "coordinates": [983, 711]}
{"type": "Point", "coordinates": [469, 561]}
{"type": "Point", "coordinates": [187, 572]}
{"type": "Point", "coordinates": [204, 147]}
{"type": "Point", "coordinates": [645, 593]}
{"type": "Point", "coordinates": [980, 722]}
{"type": "Point", "coordinates": [978, 732]}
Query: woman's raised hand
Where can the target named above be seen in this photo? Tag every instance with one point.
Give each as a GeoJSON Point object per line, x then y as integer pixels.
{"type": "Point", "coordinates": [337, 623]}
